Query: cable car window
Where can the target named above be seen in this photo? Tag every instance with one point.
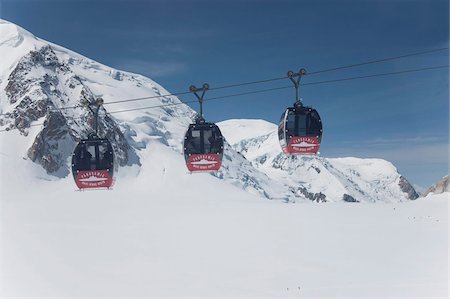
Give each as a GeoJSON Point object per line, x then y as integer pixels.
{"type": "Point", "coordinates": [105, 156]}
{"type": "Point", "coordinates": [207, 140]}
{"type": "Point", "coordinates": [196, 141]}
{"type": "Point", "coordinates": [280, 132]}
{"type": "Point", "coordinates": [216, 141]}
{"type": "Point", "coordinates": [281, 127]}
{"type": "Point", "coordinates": [193, 142]}
{"type": "Point", "coordinates": [85, 156]}
{"type": "Point", "coordinates": [90, 152]}
{"type": "Point", "coordinates": [282, 117]}
{"type": "Point", "coordinates": [290, 124]}
{"type": "Point", "coordinates": [102, 151]}
{"type": "Point", "coordinates": [315, 125]}
{"type": "Point", "coordinates": [195, 133]}
{"type": "Point", "coordinates": [216, 131]}
{"type": "Point", "coordinates": [303, 121]}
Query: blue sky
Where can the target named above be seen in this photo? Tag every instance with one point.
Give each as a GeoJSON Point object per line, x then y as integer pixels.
{"type": "Point", "coordinates": [403, 118]}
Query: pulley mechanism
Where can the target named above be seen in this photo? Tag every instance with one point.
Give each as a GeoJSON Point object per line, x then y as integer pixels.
{"type": "Point", "coordinates": [295, 78]}
{"type": "Point", "coordinates": [195, 91]}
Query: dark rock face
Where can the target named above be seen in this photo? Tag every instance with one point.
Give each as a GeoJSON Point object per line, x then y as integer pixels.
{"type": "Point", "coordinates": [406, 187]}
{"type": "Point", "coordinates": [317, 197]}
{"type": "Point", "coordinates": [32, 93]}
{"type": "Point", "coordinates": [53, 145]}
{"type": "Point", "coordinates": [38, 86]}
{"type": "Point", "coordinates": [349, 198]}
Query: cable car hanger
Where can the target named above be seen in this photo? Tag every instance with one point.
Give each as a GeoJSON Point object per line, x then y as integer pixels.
{"type": "Point", "coordinates": [291, 75]}
{"type": "Point", "coordinates": [195, 91]}
{"type": "Point", "coordinates": [98, 103]}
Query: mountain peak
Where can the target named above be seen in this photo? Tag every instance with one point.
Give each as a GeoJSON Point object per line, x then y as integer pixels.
{"type": "Point", "coordinates": [7, 26]}
{"type": "Point", "coordinates": [12, 35]}
{"type": "Point", "coordinates": [443, 185]}
{"type": "Point", "coordinates": [236, 130]}
{"type": "Point", "coordinates": [15, 42]}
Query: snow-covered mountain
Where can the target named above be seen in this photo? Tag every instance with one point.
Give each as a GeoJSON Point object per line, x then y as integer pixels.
{"type": "Point", "coordinates": [317, 178]}
{"type": "Point", "coordinates": [41, 82]}
{"type": "Point", "coordinates": [442, 186]}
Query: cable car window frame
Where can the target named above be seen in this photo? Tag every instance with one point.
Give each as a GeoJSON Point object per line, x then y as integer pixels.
{"type": "Point", "coordinates": [96, 161]}
{"type": "Point", "coordinates": [210, 141]}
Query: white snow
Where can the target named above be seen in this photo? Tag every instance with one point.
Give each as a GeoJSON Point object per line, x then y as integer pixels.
{"type": "Point", "coordinates": [236, 130]}
{"type": "Point", "coordinates": [157, 235]}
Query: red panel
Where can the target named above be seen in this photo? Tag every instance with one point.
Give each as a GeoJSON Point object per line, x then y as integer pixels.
{"type": "Point", "coordinates": [203, 162]}
{"type": "Point", "coordinates": [93, 179]}
{"type": "Point", "coordinates": [302, 146]}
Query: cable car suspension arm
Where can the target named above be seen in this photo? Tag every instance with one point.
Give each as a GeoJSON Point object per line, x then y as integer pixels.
{"type": "Point", "coordinates": [195, 91]}
{"type": "Point", "coordinates": [94, 107]}
{"type": "Point", "coordinates": [295, 78]}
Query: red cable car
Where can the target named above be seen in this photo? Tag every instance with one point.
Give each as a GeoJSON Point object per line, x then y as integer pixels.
{"type": "Point", "coordinates": [93, 158]}
{"type": "Point", "coordinates": [93, 164]}
{"type": "Point", "coordinates": [300, 128]}
{"type": "Point", "coordinates": [300, 131]}
{"type": "Point", "coordinates": [203, 141]}
{"type": "Point", "coordinates": [203, 147]}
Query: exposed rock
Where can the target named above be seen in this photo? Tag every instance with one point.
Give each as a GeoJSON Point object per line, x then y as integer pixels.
{"type": "Point", "coordinates": [317, 197]}
{"type": "Point", "coordinates": [53, 145]}
{"type": "Point", "coordinates": [443, 185]}
{"type": "Point", "coordinates": [407, 188]}
{"type": "Point", "coordinates": [349, 198]}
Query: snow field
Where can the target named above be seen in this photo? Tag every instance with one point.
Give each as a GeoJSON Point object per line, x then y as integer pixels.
{"type": "Point", "coordinates": [156, 235]}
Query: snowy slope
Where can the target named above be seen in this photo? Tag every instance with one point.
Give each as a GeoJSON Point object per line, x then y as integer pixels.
{"type": "Point", "coordinates": [167, 239]}
{"type": "Point", "coordinates": [319, 178]}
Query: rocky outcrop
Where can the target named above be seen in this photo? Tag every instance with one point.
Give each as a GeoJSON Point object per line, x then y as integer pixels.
{"type": "Point", "coordinates": [407, 188]}
{"type": "Point", "coordinates": [29, 91]}
{"type": "Point", "coordinates": [316, 197]}
{"type": "Point", "coordinates": [440, 187]}
{"type": "Point", "coordinates": [53, 145]}
{"type": "Point", "coordinates": [349, 198]}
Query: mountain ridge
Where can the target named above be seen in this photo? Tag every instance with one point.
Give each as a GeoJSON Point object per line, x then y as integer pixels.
{"type": "Point", "coordinates": [441, 186]}
{"type": "Point", "coordinates": [348, 179]}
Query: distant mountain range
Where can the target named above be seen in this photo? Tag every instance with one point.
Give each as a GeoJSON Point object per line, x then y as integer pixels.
{"type": "Point", "coordinates": [317, 178]}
